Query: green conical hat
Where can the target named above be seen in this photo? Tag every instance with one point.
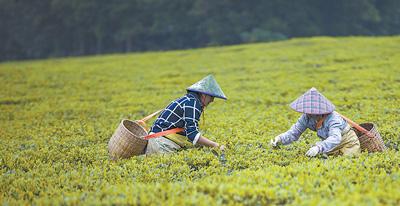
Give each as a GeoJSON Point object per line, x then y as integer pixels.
{"type": "Point", "coordinates": [208, 85]}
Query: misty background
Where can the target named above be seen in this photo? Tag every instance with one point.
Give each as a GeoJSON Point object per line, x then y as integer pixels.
{"type": "Point", "coordinates": [31, 29]}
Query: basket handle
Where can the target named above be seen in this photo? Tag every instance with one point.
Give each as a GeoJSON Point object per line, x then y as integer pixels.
{"type": "Point", "coordinates": [166, 132]}
{"type": "Point", "coordinates": [358, 127]}
{"type": "Point", "coordinates": [142, 122]}
{"type": "Point", "coordinates": [150, 116]}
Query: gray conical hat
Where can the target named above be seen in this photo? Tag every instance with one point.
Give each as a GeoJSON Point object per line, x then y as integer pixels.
{"type": "Point", "coordinates": [208, 85]}
{"type": "Point", "coordinates": [312, 102]}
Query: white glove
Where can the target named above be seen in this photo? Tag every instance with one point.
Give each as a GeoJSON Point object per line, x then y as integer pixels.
{"type": "Point", "coordinates": [274, 142]}
{"type": "Point", "coordinates": [313, 151]}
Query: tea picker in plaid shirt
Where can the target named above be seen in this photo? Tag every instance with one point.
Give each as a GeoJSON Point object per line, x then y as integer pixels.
{"type": "Point", "coordinates": [185, 113]}
{"type": "Point", "coordinates": [337, 137]}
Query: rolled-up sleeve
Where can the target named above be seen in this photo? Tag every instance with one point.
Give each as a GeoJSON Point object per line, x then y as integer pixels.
{"type": "Point", "coordinates": [295, 131]}
{"type": "Point", "coordinates": [191, 117]}
{"type": "Point", "coordinates": [334, 136]}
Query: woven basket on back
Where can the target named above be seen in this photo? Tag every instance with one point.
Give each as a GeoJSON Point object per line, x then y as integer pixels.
{"type": "Point", "coordinates": [127, 140]}
{"type": "Point", "coordinates": [374, 144]}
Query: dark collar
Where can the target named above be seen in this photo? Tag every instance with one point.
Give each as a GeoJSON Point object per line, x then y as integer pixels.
{"type": "Point", "coordinates": [195, 95]}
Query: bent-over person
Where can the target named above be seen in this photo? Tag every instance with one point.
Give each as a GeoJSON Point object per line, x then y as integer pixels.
{"type": "Point", "coordinates": [185, 112]}
{"type": "Point", "coordinates": [337, 137]}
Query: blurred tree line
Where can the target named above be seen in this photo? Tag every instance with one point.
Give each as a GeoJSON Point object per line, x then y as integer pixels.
{"type": "Point", "coordinates": [48, 28]}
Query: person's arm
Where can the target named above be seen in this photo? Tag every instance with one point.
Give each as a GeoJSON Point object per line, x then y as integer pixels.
{"type": "Point", "coordinates": [295, 131]}
{"type": "Point", "coordinates": [191, 117]}
{"type": "Point", "coordinates": [209, 143]}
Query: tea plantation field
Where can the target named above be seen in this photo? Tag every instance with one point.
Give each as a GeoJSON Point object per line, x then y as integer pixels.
{"type": "Point", "coordinates": [57, 115]}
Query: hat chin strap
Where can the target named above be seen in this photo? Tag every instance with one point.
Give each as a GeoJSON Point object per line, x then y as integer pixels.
{"type": "Point", "coordinates": [202, 99]}
{"type": "Point", "coordinates": [204, 118]}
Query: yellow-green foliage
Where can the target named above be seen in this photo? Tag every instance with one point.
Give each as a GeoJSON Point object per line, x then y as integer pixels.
{"type": "Point", "coordinates": [56, 117]}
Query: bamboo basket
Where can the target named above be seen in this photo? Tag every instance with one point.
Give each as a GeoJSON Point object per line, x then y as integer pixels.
{"type": "Point", "coordinates": [127, 140]}
{"type": "Point", "coordinates": [372, 143]}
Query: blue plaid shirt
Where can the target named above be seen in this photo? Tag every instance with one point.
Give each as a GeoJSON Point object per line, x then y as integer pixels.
{"type": "Point", "coordinates": [184, 113]}
{"type": "Point", "coordinates": [330, 132]}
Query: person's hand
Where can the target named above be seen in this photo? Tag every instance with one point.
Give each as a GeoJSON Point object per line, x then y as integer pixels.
{"type": "Point", "coordinates": [313, 151]}
{"type": "Point", "coordinates": [222, 148]}
{"type": "Point", "coordinates": [274, 142]}
{"type": "Point", "coordinates": [218, 149]}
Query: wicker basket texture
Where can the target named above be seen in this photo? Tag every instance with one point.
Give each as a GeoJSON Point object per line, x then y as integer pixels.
{"type": "Point", "coordinates": [374, 144]}
{"type": "Point", "coordinates": [127, 140]}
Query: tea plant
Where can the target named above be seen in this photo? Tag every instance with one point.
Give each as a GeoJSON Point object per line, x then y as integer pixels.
{"type": "Point", "coordinates": [57, 115]}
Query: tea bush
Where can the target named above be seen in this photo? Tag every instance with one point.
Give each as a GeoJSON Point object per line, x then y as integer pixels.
{"type": "Point", "coordinates": [57, 116]}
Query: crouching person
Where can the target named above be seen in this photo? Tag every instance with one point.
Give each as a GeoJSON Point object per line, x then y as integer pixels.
{"type": "Point", "coordinates": [185, 113]}
{"type": "Point", "coordinates": [337, 137]}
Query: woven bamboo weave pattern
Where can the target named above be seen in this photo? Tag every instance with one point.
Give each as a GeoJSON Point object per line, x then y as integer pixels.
{"type": "Point", "coordinates": [374, 144]}
{"type": "Point", "coordinates": [127, 140]}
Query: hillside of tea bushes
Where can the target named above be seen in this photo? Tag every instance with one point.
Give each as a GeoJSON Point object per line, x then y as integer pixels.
{"type": "Point", "coordinates": [57, 115]}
